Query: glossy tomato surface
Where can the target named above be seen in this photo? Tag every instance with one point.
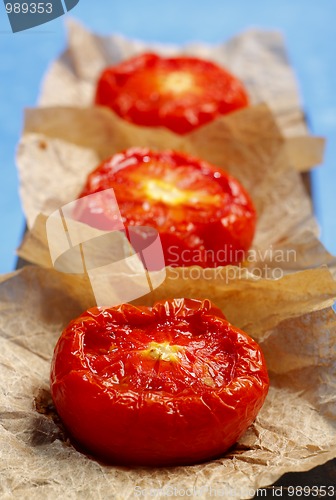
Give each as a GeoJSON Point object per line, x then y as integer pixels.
{"type": "Point", "coordinates": [180, 93]}
{"type": "Point", "coordinates": [172, 384]}
{"type": "Point", "coordinates": [204, 216]}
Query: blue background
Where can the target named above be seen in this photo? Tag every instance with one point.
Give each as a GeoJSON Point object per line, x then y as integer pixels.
{"type": "Point", "coordinates": [309, 28]}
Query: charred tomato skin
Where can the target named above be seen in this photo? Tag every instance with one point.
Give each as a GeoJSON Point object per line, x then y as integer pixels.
{"type": "Point", "coordinates": [164, 385]}
{"type": "Point", "coordinates": [179, 93]}
{"type": "Point", "coordinates": [204, 215]}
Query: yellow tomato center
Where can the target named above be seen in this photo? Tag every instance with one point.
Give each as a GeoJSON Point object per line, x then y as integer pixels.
{"type": "Point", "coordinates": [178, 82]}
{"type": "Point", "coordinates": [165, 192]}
{"type": "Point", "coordinates": [162, 351]}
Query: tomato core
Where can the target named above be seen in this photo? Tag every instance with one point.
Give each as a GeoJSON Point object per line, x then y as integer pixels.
{"type": "Point", "coordinates": [177, 82]}
{"type": "Point", "coordinates": [162, 351]}
{"type": "Point", "coordinates": [160, 190]}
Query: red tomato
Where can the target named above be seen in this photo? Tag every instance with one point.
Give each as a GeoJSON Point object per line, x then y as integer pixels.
{"type": "Point", "coordinates": [180, 93]}
{"type": "Point", "coordinates": [171, 384]}
{"type": "Point", "coordinates": [203, 215]}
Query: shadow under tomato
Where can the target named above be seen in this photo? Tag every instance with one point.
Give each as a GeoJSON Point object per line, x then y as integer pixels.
{"type": "Point", "coordinates": [47, 430]}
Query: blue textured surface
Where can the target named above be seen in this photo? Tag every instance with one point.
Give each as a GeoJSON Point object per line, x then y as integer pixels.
{"type": "Point", "coordinates": [309, 28]}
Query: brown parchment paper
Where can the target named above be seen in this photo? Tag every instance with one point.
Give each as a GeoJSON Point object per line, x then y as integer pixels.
{"type": "Point", "coordinates": [258, 57]}
{"type": "Point", "coordinates": [295, 430]}
{"type": "Point", "coordinates": [61, 145]}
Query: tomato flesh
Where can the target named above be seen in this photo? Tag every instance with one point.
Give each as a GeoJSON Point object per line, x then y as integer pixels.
{"type": "Point", "coordinates": [172, 384]}
{"type": "Point", "coordinates": [203, 215]}
{"type": "Point", "coordinates": [180, 93]}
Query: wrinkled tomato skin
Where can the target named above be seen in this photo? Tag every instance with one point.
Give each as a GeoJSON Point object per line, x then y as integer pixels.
{"type": "Point", "coordinates": [215, 227]}
{"type": "Point", "coordinates": [137, 90]}
{"type": "Point", "coordinates": [157, 414]}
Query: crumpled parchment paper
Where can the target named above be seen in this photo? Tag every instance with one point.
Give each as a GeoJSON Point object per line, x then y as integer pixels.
{"type": "Point", "coordinates": [61, 146]}
{"type": "Point", "coordinates": [295, 430]}
{"type": "Point", "coordinates": [258, 57]}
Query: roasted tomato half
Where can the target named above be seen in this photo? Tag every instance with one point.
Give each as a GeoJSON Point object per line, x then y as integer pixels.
{"type": "Point", "coordinates": [164, 385]}
{"type": "Point", "coordinates": [203, 215]}
{"type": "Point", "coordinates": [180, 93]}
